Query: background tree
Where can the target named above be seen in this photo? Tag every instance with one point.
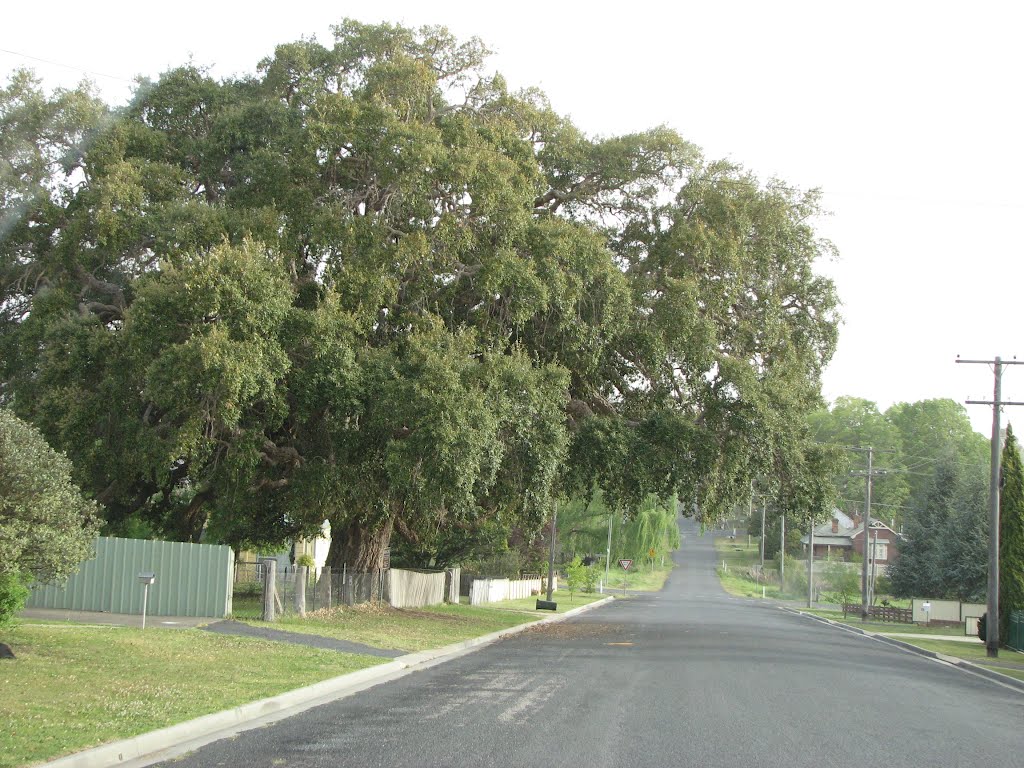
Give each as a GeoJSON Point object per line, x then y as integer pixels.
{"type": "Point", "coordinates": [1011, 534]}
{"type": "Point", "coordinates": [855, 422]}
{"type": "Point", "coordinates": [46, 527]}
{"type": "Point", "coordinates": [944, 553]}
{"type": "Point", "coordinates": [931, 431]}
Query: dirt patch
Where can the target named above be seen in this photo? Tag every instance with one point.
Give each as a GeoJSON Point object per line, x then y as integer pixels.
{"type": "Point", "coordinates": [578, 630]}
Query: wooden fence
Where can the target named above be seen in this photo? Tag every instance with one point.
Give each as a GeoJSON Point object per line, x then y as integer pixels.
{"type": "Point", "coordinates": [883, 613]}
{"type": "Point", "coordinates": [483, 591]}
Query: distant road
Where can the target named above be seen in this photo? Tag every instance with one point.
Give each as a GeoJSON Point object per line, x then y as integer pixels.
{"type": "Point", "coordinates": [686, 677]}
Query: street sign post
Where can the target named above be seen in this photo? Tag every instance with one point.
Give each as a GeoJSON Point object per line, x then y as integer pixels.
{"type": "Point", "coordinates": [624, 565]}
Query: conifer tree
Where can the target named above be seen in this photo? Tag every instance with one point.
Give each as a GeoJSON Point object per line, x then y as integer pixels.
{"type": "Point", "coordinates": [1011, 535]}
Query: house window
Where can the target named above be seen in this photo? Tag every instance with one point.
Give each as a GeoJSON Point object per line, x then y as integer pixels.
{"type": "Point", "coordinates": [881, 550]}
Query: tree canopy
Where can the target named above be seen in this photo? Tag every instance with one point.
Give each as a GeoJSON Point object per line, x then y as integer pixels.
{"type": "Point", "coordinates": [911, 442]}
{"type": "Point", "coordinates": [372, 284]}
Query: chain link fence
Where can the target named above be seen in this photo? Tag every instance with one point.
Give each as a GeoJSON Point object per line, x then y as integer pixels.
{"type": "Point", "coordinates": [298, 591]}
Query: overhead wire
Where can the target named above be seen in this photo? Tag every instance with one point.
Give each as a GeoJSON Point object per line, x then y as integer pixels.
{"type": "Point", "coordinates": [66, 66]}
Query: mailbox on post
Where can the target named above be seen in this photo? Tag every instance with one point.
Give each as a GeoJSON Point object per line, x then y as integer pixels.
{"type": "Point", "coordinates": [145, 579]}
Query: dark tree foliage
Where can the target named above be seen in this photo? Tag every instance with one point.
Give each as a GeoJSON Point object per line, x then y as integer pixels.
{"type": "Point", "coordinates": [944, 553]}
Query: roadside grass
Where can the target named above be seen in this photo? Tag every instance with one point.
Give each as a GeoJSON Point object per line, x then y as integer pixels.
{"type": "Point", "coordinates": [72, 686]}
{"type": "Point", "coordinates": [743, 586]}
{"type": "Point", "coordinates": [736, 552]}
{"type": "Point", "coordinates": [735, 557]}
{"type": "Point", "coordinates": [560, 596]}
{"type": "Point", "coordinates": [644, 579]}
{"type": "Point", "coordinates": [249, 608]}
{"type": "Point", "coordinates": [407, 629]}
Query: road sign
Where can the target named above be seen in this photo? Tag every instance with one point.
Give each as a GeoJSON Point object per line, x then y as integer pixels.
{"type": "Point", "coordinates": [624, 564]}
{"type": "Point", "coordinates": [651, 552]}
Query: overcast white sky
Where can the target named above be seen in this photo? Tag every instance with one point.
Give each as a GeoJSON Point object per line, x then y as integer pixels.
{"type": "Point", "coordinates": [907, 114]}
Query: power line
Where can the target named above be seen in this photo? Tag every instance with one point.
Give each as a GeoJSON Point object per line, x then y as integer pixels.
{"type": "Point", "coordinates": [880, 504]}
{"type": "Point", "coordinates": [66, 66]}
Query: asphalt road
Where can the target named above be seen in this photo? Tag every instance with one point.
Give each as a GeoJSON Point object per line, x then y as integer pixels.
{"type": "Point", "coordinates": [686, 677]}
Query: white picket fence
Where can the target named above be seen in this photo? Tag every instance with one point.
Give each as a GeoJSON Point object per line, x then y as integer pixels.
{"type": "Point", "coordinates": [483, 591]}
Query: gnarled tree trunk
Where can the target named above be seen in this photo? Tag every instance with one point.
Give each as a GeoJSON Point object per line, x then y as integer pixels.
{"type": "Point", "coordinates": [359, 547]}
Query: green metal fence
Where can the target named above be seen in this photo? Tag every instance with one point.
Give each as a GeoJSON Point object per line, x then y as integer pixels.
{"type": "Point", "coordinates": [191, 580]}
{"type": "Point", "coordinates": [1016, 633]}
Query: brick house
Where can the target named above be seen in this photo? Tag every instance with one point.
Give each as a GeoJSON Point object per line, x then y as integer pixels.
{"type": "Point", "coordinates": [844, 535]}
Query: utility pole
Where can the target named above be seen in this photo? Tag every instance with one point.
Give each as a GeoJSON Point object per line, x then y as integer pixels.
{"type": "Point", "coordinates": [782, 552]}
{"type": "Point", "coordinates": [992, 625]}
{"type": "Point", "coordinates": [750, 512]}
{"type": "Point", "coordinates": [810, 561]}
{"type": "Point", "coordinates": [551, 551]}
{"type": "Point", "coordinates": [871, 472]}
{"type": "Point", "coordinates": [867, 524]}
{"type": "Point", "coordinates": [874, 560]}
{"type": "Point", "coordinates": [608, 552]}
{"type": "Point", "coordinates": [764, 508]}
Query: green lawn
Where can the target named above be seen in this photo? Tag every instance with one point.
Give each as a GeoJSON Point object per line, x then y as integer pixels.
{"type": "Point", "coordinates": [420, 629]}
{"type": "Point", "coordinates": [734, 558]}
{"type": "Point", "coordinates": [643, 579]}
{"type": "Point", "coordinates": [72, 687]}
{"type": "Point", "coordinates": [560, 596]}
{"type": "Point", "coordinates": [80, 686]}
{"type": "Point", "coordinates": [403, 629]}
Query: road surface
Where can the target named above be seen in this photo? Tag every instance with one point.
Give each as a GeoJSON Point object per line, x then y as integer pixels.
{"type": "Point", "coordinates": [688, 676]}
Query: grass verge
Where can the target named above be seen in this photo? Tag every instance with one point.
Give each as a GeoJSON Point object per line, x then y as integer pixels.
{"type": "Point", "coordinates": [735, 558]}
{"type": "Point", "coordinates": [644, 579]}
{"type": "Point", "coordinates": [421, 629]}
{"type": "Point", "coordinates": [80, 686]}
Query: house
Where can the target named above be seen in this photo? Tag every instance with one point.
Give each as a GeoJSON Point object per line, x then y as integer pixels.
{"type": "Point", "coordinates": [844, 535]}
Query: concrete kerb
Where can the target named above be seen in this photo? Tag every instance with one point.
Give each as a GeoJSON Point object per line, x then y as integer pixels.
{"type": "Point", "coordinates": [175, 740]}
{"type": "Point", "coordinates": [967, 666]}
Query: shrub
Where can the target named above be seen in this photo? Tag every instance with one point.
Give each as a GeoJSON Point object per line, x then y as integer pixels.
{"type": "Point", "coordinates": [13, 594]}
{"type": "Point", "coordinates": [883, 585]}
{"type": "Point", "coordinates": [503, 565]}
{"type": "Point", "coordinates": [575, 575]}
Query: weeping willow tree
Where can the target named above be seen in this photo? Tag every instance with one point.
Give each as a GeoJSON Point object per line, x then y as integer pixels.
{"type": "Point", "coordinates": [583, 529]}
{"type": "Point", "coordinates": [653, 533]}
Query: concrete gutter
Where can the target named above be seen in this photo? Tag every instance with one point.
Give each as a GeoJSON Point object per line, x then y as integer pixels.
{"type": "Point", "coordinates": [175, 740]}
{"type": "Point", "coordinates": [967, 666]}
